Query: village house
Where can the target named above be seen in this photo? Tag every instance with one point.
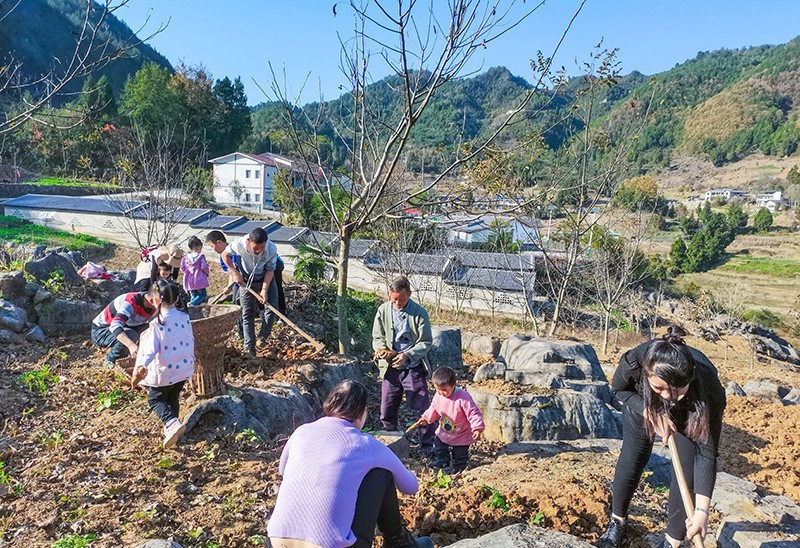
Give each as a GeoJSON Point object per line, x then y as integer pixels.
{"type": "Point", "coordinates": [724, 193]}
{"type": "Point", "coordinates": [771, 199]}
{"type": "Point", "coordinates": [466, 231]}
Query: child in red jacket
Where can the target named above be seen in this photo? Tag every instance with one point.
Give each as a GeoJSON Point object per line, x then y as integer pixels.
{"type": "Point", "coordinates": [460, 421]}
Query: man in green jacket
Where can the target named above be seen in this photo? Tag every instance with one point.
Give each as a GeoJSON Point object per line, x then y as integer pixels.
{"type": "Point", "coordinates": [401, 337]}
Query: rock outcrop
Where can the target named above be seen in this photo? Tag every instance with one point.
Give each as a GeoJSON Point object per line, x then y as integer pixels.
{"type": "Point", "coordinates": [522, 536]}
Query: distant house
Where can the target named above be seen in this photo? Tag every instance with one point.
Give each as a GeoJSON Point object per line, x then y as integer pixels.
{"type": "Point", "coordinates": [724, 193]}
{"type": "Point", "coordinates": [243, 179]}
{"type": "Point", "coordinates": [524, 231]}
{"type": "Point", "coordinates": [771, 199]}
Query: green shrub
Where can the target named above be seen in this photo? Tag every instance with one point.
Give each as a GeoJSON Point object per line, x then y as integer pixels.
{"type": "Point", "coordinates": [39, 380]}
{"type": "Point", "coordinates": [762, 317]}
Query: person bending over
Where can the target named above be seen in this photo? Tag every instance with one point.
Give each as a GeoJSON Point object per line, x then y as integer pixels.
{"type": "Point", "coordinates": [667, 389]}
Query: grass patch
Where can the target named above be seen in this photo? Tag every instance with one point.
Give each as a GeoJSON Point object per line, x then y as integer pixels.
{"type": "Point", "coordinates": [63, 181]}
{"type": "Point", "coordinates": [20, 231]}
{"type": "Point", "coordinates": [762, 317]}
{"type": "Point", "coordinates": [779, 268]}
{"type": "Point", "coordinates": [39, 380]}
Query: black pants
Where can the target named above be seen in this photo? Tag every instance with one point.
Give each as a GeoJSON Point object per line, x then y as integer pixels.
{"type": "Point", "coordinates": [279, 282]}
{"type": "Point", "coordinates": [102, 337]}
{"type": "Point", "coordinates": [377, 504]}
{"type": "Point", "coordinates": [636, 449]}
{"type": "Point", "coordinates": [163, 400]}
{"type": "Point", "coordinates": [441, 455]}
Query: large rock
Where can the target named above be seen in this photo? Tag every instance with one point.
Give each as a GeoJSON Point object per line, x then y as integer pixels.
{"type": "Point", "coordinates": [160, 543]}
{"type": "Point", "coordinates": [269, 412]}
{"type": "Point", "coordinates": [523, 536]}
{"type": "Point", "coordinates": [12, 285]}
{"type": "Point", "coordinates": [733, 389]}
{"type": "Point", "coordinates": [396, 441]}
{"type": "Point", "coordinates": [792, 398]}
{"type": "Point", "coordinates": [12, 316]}
{"type": "Point", "coordinates": [35, 334]}
{"type": "Point", "coordinates": [446, 348]}
{"type": "Point", "coordinates": [546, 363]}
{"type": "Point", "coordinates": [274, 408]}
{"type": "Point", "coordinates": [765, 389]}
{"type": "Point", "coordinates": [59, 317]}
{"type": "Point", "coordinates": [43, 268]}
{"type": "Point", "coordinates": [480, 345]}
{"type": "Point", "coordinates": [560, 415]}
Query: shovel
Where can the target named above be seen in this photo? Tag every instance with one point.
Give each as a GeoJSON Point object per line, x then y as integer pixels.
{"type": "Point", "coordinates": [221, 296]}
{"type": "Point", "coordinates": [317, 345]}
{"type": "Point", "coordinates": [688, 505]}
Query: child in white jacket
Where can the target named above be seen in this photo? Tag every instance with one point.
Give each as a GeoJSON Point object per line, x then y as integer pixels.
{"type": "Point", "coordinates": [165, 360]}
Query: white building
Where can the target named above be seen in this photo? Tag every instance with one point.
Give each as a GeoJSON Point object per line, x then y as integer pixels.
{"type": "Point", "coordinates": [724, 193]}
{"type": "Point", "coordinates": [242, 179]}
{"type": "Point", "coordinates": [771, 199]}
{"type": "Point", "coordinates": [524, 231]}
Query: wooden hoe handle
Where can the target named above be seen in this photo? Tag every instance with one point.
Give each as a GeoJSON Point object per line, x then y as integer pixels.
{"type": "Point", "coordinates": [318, 345]}
{"type": "Point", "coordinates": [688, 504]}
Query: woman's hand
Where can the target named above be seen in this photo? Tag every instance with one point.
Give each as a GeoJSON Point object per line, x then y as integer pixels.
{"type": "Point", "coordinates": [477, 434]}
{"type": "Point", "coordinates": [662, 424]}
{"type": "Point", "coordinates": [697, 525]}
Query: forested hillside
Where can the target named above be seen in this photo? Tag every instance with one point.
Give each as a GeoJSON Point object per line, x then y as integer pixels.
{"type": "Point", "coordinates": [41, 35]}
{"type": "Point", "coordinates": [721, 105]}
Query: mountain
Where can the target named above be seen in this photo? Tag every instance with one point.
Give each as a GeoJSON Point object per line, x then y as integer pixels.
{"type": "Point", "coordinates": [721, 105]}
{"type": "Point", "coordinates": [41, 35]}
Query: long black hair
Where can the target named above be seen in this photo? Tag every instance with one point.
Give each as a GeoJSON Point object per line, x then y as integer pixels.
{"type": "Point", "coordinates": [671, 360]}
{"type": "Point", "coordinates": [170, 293]}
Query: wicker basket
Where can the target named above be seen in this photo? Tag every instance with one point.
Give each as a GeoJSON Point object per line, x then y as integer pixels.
{"type": "Point", "coordinates": [211, 326]}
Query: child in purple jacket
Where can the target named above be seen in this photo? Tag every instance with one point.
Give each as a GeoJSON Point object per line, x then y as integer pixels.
{"type": "Point", "coordinates": [195, 272]}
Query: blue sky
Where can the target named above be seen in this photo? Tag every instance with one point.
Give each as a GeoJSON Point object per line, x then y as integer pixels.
{"type": "Point", "coordinates": [241, 37]}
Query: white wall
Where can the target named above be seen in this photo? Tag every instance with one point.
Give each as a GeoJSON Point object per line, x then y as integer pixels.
{"type": "Point", "coordinates": [235, 168]}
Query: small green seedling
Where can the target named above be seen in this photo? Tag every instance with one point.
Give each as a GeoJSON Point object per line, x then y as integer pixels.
{"type": "Point", "coordinates": [661, 489]}
{"type": "Point", "coordinates": [442, 480]}
{"type": "Point", "coordinates": [5, 480]}
{"type": "Point", "coordinates": [39, 380]}
{"type": "Point", "coordinates": [538, 519]}
{"type": "Point", "coordinates": [248, 435]}
{"type": "Point", "coordinates": [498, 500]}
{"type": "Point", "coordinates": [195, 533]}
{"type": "Point", "coordinates": [107, 400]}
{"type": "Point", "coordinates": [74, 541]}
{"type": "Point", "coordinates": [165, 464]}
{"type": "Point", "coordinates": [258, 540]}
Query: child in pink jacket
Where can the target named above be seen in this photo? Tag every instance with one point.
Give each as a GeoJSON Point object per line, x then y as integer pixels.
{"type": "Point", "coordinates": [195, 272]}
{"type": "Point", "coordinates": [460, 421]}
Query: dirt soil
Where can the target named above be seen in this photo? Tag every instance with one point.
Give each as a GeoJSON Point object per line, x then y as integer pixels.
{"type": "Point", "coordinates": [74, 465]}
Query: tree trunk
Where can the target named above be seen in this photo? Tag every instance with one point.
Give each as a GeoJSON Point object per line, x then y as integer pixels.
{"type": "Point", "coordinates": [605, 332]}
{"type": "Point", "coordinates": [341, 294]}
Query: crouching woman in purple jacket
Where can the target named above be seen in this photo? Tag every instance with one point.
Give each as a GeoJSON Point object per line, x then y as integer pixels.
{"type": "Point", "coordinates": [339, 483]}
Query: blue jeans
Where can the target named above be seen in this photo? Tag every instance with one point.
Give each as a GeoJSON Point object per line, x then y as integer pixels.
{"type": "Point", "coordinates": [251, 310]}
{"type": "Point", "coordinates": [199, 296]}
{"type": "Point", "coordinates": [102, 337]}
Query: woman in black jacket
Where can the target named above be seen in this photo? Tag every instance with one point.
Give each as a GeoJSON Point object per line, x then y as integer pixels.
{"type": "Point", "coordinates": [667, 389]}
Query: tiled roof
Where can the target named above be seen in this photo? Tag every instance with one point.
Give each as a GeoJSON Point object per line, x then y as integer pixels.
{"type": "Point", "coordinates": [288, 234]}
{"type": "Point", "coordinates": [409, 263]}
{"type": "Point", "coordinates": [220, 222]}
{"type": "Point", "coordinates": [500, 261]}
{"type": "Point", "coordinates": [485, 278]}
{"type": "Point", "coordinates": [74, 203]}
{"type": "Point", "coordinates": [247, 227]}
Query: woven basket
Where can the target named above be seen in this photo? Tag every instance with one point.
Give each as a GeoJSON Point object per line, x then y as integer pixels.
{"type": "Point", "coordinates": [211, 326]}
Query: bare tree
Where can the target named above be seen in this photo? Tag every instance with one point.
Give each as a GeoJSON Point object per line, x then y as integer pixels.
{"type": "Point", "coordinates": [586, 174]}
{"type": "Point", "coordinates": [616, 266]}
{"type": "Point", "coordinates": [425, 47]}
{"type": "Point", "coordinates": [94, 49]}
{"type": "Point", "coordinates": [157, 169]}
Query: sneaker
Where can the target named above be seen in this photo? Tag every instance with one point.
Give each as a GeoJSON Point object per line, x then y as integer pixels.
{"type": "Point", "coordinates": [108, 364]}
{"type": "Point", "coordinates": [424, 542]}
{"type": "Point", "coordinates": [172, 433]}
{"type": "Point", "coordinates": [262, 343]}
{"type": "Point", "coordinates": [613, 535]}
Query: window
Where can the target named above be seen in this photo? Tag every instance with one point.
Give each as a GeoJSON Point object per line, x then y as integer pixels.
{"type": "Point", "coordinates": [247, 197]}
{"type": "Point", "coordinates": [258, 176]}
{"type": "Point", "coordinates": [246, 173]}
{"type": "Point", "coordinates": [256, 198]}
{"type": "Point", "coordinates": [425, 285]}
